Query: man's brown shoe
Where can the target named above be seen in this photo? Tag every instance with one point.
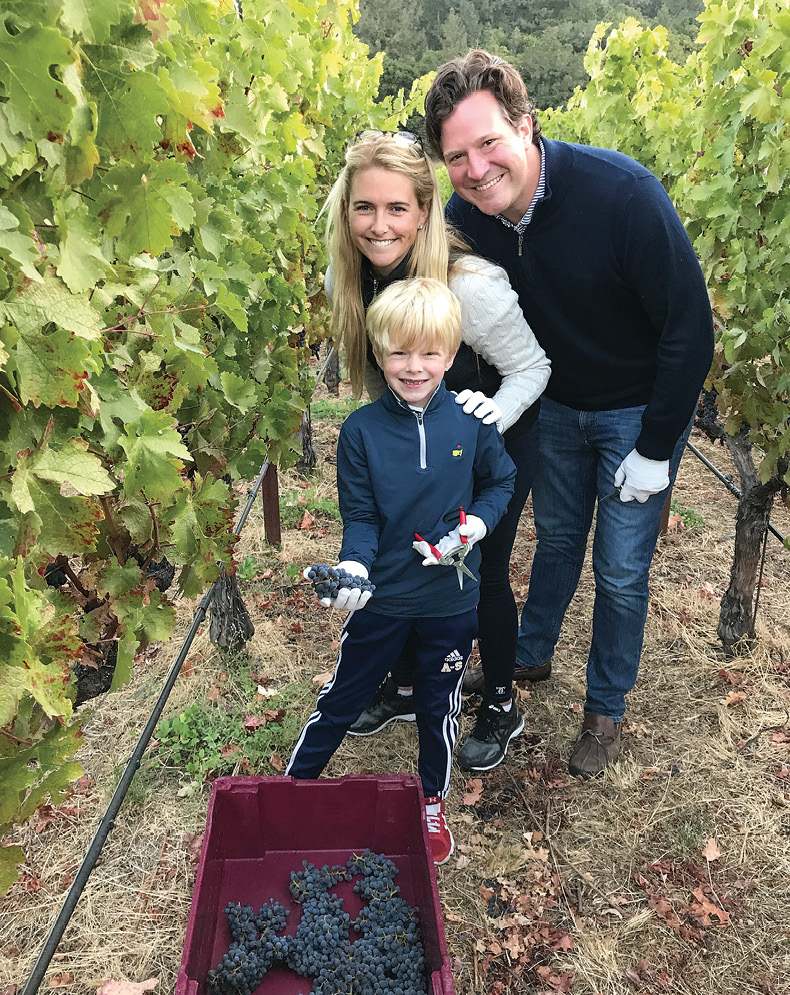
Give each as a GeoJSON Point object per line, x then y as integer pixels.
{"type": "Point", "coordinates": [473, 680]}
{"type": "Point", "coordinates": [598, 745]}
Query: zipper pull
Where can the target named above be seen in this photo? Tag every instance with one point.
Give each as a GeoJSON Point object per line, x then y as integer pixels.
{"type": "Point", "coordinates": [520, 243]}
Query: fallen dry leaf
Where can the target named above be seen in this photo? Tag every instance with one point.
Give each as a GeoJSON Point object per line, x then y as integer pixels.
{"type": "Point", "coordinates": [276, 761]}
{"type": "Point", "coordinates": [323, 678]}
{"type": "Point", "coordinates": [705, 909]}
{"type": "Point", "coordinates": [711, 851]}
{"type": "Point", "coordinates": [675, 523]}
{"type": "Point", "coordinates": [127, 987]}
{"type": "Point", "coordinates": [734, 697]}
{"type": "Point", "coordinates": [472, 796]}
{"type": "Point", "coordinates": [732, 677]}
{"type": "Point", "coordinates": [194, 844]}
{"type": "Point", "coordinates": [253, 722]}
{"type": "Point", "coordinates": [780, 736]}
{"type": "Point", "coordinates": [307, 521]}
{"type": "Point", "coordinates": [61, 980]}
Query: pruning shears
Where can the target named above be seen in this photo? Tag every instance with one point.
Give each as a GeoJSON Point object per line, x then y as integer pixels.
{"type": "Point", "coordinates": [453, 557]}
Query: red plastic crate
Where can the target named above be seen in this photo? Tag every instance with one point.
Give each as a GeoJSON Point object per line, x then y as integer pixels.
{"type": "Point", "coordinates": [259, 829]}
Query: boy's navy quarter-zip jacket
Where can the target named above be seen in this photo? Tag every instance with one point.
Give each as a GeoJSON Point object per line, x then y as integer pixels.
{"type": "Point", "coordinates": [401, 471]}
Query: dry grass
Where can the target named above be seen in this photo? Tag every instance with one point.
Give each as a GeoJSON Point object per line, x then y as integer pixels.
{"type": "Point", "coordinates": [563, 856]}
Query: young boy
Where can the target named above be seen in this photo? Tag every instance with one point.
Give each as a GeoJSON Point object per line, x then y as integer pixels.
{"type": "Point", "coordinates": [406, 464]}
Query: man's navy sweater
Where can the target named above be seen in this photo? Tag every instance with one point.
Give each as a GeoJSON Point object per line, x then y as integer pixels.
{"type": "Point", "coordinates": [608, 280]}
{"type": "Point", "coordinates": [401, 472]}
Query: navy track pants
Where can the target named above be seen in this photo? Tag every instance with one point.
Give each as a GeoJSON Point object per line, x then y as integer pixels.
{"type": "Point", "coordinates": [369, 645]}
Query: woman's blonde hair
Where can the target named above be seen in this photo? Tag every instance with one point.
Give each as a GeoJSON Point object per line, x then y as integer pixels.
{"type": "Point", "coordinates": [429, 257]}
{"type": "Point", "coordinates": [419, 314]}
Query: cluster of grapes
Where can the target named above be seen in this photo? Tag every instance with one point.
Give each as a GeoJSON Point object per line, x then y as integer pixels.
{"type": "Point", "coordinates": [254, 948]}
{"type": "Point", "coordinates": [327, 581]}
{"type": "Point", "coordinates": [387, 958]}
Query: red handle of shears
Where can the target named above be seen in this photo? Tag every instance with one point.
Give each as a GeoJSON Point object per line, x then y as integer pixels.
{"type": "Point", "coordinates": [433, 549]}
{"type": "Point", "coordinates": [462, 515]}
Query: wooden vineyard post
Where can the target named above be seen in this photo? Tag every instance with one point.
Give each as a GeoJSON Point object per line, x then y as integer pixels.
{"type": "Point", "coordinates": [270, 494]}
{"type": "Point", "coordinates": [664, 526]}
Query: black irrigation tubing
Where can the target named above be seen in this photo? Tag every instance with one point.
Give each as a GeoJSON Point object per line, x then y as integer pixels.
{"type": "Point", "coordinates": [727, 481]}
{"type": "Point", "coordinates": [133, 764]}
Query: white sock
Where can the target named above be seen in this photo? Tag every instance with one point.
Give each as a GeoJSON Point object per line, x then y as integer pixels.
{"type": "Point", "coordinates": [405, 692]}
{"type": "Point", "coordinates": [506, 707]}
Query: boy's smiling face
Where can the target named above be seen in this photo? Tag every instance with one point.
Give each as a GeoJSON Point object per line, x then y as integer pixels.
{"type": "Point", "coordinates": [414, 373]}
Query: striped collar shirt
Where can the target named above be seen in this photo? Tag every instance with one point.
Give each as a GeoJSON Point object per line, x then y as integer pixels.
{"type": "Point", "coordinates": [540, 193]}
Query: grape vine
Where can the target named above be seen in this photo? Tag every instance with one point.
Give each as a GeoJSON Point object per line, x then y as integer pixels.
{"type": "Point", "coordinates": [161, 169]}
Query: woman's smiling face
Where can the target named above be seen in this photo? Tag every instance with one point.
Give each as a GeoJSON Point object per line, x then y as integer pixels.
{"type": "Point", "coordinates": [384, 216]}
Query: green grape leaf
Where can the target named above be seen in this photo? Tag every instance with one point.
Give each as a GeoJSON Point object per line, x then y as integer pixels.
{"type": "Point", "coordinates": [82, 263]}
{"type": "Point", "coordinates": [50, 301]}
{"type": "Point", "coordinates": [92, 19]}
{"type": "Point", "coordinates": [18, 245]}
{"type": "Point", "coordinates": [38, 772]}
{"type": "Point", "coordinates": [238, 392]}
{"type": "Point", "coordinates": [128, 105]}
{"type": "Point", "coordinates": [127, 647]}
{"type": "Point", "coordinates": [229, 304]}
{"type": "Point", "coordinates": [39, 105]}
{"type": "Point", "coordinates": [58, 523]}
{"type": "Point", "coordinates": [10, 856]}
{"type": "Point", "coordinates": [145, 207]}
{"type": "Point", "coordinates": [117, 579]}
{"type": "Point", "coordinates": [51, 368]}
{"type": "Point", "coordinates": [73, 464]}
{"type": "Point", "coordinates": [154, 452]}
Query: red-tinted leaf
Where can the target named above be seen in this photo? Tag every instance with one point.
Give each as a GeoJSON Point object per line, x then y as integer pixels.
{"type": "Point", "coordinates": [474, 792]}
{"type": "Point", "coordinates": [193, 844]}
{"type": "Point", "coordinates": [61, 980]}
{"type": "Point", "coordinates": [711, 851]}
{"type": "Point", "coordinates": [128, 987]}
{"type": "Point", "coordinates": [252, 722]}
{"type": "Point", "coordinates": [276, 761]}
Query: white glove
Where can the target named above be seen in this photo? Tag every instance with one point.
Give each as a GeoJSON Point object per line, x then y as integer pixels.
{"type": "Point", "coordinates": [476, 403]}
{"type": "Point", "coordinates": [347, 599]}
{"type": "Point", "coordinates": [638, 478]}
{"type": "Point", "coordinates": [474, 530]}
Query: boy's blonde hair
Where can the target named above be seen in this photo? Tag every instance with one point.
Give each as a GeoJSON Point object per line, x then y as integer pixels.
{"type": "Point", "coordinates": [416, 313]}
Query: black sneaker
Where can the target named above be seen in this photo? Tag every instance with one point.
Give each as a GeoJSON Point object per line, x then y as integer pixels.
{"type": "Point", "coordinates": [487, 745]}
{"type": "Point", "coordinates": [387, 705]}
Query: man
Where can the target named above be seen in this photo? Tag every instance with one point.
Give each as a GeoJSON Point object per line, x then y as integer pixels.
{"type": "Point", "coordinates": [608, 280]}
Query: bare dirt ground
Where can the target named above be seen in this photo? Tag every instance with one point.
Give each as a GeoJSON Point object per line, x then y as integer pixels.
{"type": "Point", "coordinates": [669, 874]}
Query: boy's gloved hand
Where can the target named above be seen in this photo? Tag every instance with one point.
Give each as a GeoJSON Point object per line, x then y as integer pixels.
{"type": "Point", "coordinates": [347, 599]}
{"type": "Point", "coordinates": [639, 478]}
{"type": "Point", "coordinates": [476, 403]}
{"type": "Point", "coordinates": [474, 529]}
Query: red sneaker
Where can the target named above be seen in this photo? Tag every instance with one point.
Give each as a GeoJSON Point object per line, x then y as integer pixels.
{"type": "Point", "coordinates": [442, 842]}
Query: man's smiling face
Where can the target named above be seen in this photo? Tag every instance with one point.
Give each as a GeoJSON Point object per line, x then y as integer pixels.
{"type": "Point", "coordinates": [490, 164]}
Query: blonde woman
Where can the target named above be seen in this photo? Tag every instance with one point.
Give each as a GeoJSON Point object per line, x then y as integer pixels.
{"type": "Point", "coordinates": [386, 223]}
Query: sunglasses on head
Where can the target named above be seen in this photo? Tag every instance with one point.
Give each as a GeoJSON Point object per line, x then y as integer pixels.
{"type": "Point", "coordinates": [405, 138]}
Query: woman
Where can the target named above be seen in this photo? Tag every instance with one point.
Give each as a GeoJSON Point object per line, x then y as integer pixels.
{"type": "Point", "coordinates": [386, 223]}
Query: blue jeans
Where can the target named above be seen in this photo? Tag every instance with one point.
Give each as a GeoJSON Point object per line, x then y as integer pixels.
{"type": "Point", "coordinates": [580, 452]}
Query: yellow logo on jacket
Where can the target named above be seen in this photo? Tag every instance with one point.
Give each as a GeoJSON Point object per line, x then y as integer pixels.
{"type": "Point", "coordinates": [459, 450]}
